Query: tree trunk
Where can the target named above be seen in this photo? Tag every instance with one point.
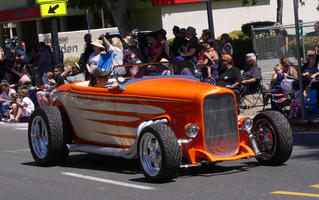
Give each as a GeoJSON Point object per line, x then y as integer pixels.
{"type": "Point", "coordinates": [119, 10]}
{"type": "Point", "coordinates": [279, 10]}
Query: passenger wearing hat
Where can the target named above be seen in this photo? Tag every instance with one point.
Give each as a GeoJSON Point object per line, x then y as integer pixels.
{"type": "Point", "coordinates": [99, 78]}
{"type": "Point", "coordinates": [251, 76]}
{"type": "Point", "coordinates": [193, 46]}
{"type": "Point", "coordinates": [230, 75]}
{"type": "Point", "coordinates": [94, 57]}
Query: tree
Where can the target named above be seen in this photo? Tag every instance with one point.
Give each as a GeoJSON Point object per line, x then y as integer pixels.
{"type": "Point", "coordinates": [279, 11]}
{"type": "Point", "coordinates": [118, 9]}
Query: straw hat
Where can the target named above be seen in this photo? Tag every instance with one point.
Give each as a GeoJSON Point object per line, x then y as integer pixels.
{"type": "Point", "coordinates": [98, 43]}
{"type": "Point", "coordinates": [165, 62]}
{"type": "Point", "coordinates": [129, 40]}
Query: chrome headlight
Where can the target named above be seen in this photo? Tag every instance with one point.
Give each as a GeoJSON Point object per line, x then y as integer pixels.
{"type": "Point", "coordinates": [247, 124]}
{"type": "Point", "coordinates": [191, 130]}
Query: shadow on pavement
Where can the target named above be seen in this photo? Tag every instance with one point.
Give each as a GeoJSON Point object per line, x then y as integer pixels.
{"type": "Point", "coordinates": [208, 170]}
{"type": "Point", "coordinates": [99, 163]}
{"type": "Point", "coordinates": [310, 144]}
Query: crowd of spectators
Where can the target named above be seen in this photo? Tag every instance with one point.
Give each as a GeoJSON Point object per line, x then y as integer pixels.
{"type": "Point", "coordinates": [211, 60]}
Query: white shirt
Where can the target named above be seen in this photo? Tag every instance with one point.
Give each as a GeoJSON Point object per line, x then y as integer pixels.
{"type": "Point", "coordinates": [28, 104]}
{"type": "Point", "coordinates": [6, 96]}
{"type": "Point", "coordinates": [117, 59]}
{"type": "Point", "coordinates": [93, 60]}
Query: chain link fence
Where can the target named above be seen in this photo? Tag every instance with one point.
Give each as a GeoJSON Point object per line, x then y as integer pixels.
{"type": "Point", "coordinates": [278, 41]}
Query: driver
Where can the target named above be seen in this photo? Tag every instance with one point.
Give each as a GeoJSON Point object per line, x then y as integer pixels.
{"type": "Point", "coordinates": [99, 78]}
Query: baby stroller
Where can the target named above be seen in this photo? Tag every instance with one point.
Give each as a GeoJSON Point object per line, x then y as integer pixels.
{"type": "Point", "coordinates": [281, 101]}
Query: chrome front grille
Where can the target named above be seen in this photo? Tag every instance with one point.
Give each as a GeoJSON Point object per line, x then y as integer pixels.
{"type": "Point", "coordinates": [220, 125]}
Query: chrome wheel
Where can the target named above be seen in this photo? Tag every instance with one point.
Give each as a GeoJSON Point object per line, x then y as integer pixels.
{"type": "Point", "coordinates": [39, 137]}
{"type": "Point", "coordinates": [150, 154]}
{"type": "Point", "coordinates": [265, 137]}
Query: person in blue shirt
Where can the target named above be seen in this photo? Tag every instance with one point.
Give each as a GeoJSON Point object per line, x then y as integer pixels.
{"type": "Point", "coordinates": [21, 53]}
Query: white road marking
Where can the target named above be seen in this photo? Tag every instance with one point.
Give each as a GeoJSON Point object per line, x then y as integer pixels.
{"type": "Point", "coordinates": [22, 128]}
{"type": "Point", "coordinates": [108, 181]}
{"type": "Point", "coordinates": [18, 151]}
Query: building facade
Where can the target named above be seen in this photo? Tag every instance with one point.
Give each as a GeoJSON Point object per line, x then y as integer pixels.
{"type": "Point", "coordinates": [22, 18]}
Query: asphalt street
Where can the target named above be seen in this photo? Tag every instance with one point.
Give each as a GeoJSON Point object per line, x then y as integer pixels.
{"type": "Point", "coordinates": [88, 176]}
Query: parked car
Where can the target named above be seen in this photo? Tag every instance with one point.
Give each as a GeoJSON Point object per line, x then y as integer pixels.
{"type": "Point", "coordinates": [166, 121]}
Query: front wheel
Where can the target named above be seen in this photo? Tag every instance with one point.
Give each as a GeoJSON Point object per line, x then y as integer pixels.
{"type": "Point", "coordinates": [159, 153]}
{"type": "Point", "coordinates": [45, 135]}
{"type": "Point", "coordinates": [274, 137]}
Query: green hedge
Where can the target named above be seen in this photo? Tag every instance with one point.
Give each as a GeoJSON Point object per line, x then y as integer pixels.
{"type": "Point", "coordinates": [310, 44]}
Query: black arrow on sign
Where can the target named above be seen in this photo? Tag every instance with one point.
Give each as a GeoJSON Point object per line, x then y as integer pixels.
{"type": "Point", "coordinates": [52, 10]}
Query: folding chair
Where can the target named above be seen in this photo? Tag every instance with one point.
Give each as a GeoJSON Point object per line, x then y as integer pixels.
{"type": "Point", "coordinates": [253, 97]}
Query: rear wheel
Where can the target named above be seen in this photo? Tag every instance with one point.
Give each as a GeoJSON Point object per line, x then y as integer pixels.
{"type": "Point", "coordinates": [159, 153]}
{"type": "Point", "coordinates": [45, 135]}
{"type": "Point", "coordinates": [274, 137]}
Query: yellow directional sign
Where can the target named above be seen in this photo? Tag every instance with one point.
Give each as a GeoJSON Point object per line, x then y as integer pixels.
{"type": "Point", "coordinates": [53, 9]}
{"type": "Point", "coordinates": [49, 1]}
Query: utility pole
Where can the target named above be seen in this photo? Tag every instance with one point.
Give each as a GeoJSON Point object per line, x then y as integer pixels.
{"type": "Point", "coordinates": [55, 41]}
{"type": "Point", "coordinates": [210, 17]}
{"type": "Point", "coordinates": [303, 114]}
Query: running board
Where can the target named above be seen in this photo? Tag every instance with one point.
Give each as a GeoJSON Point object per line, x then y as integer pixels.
{"type": "Point", "coordinates": [125, 153]}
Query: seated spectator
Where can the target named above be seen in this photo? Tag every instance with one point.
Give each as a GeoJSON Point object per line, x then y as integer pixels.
{"type": "Point", "coordinates": [23, 107]}
{"type": "Point", "coordinates": [156, 50]}
{"type": "Point", "coordinates": [310, 66]}
{"type": "Point", "coordinates": [229, 76]}
{"type": "Point", "coordinates": [57, 78]}
{"type": "Point", "coordinates": [25, 77]}
{"type": "Point", "coordinates": [73, 74]}
{"type": "Point", "coordinates": [288, 68]}
{"type": "Point", "coordinates": [277, 78]}
{"type": "Point", "coordinates": [179, 43]}
{"type": "Point", "coordinates": [44, 97]}
{"type": "Point", "coordinates": [5, 98]}
{"type": "Point", "coordinates": [130, 52]}
{"type": "Point", "coordinates": [226, 46]}
{"type": "Point", "coordinates": [193, 46]}
{"type": "Point", "coordinates": [251, 76]}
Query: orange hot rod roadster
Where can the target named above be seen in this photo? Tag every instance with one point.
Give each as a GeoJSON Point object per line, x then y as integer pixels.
{"type": "Point", "coordinates": [166, 121]}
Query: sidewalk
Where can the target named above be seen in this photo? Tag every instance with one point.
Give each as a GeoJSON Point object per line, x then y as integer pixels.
{"type": "Point", "coordinates": [309, 124]}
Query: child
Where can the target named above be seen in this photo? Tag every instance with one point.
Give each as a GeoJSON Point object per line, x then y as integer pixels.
{"type": "Point", "coordinates": [209, 60]}
{"type": "Point", "coordinates": [24, 107]}
{"type": "Point", "coordinates": [295, 106]}
{"type": "Point", "coordinates": [213, 65]}
{"type": "Point", "coordinates": [277, 78]}
{"type": "Point", "coordinates": [51, 82]}
{"type": "Point", "coordinates": [14, 97]}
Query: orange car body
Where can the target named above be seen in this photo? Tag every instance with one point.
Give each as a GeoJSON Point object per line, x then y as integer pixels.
{"type": "Point", "coordinates": [110, 117]}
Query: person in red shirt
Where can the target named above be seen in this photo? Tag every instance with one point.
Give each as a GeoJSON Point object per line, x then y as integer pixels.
{"type": "Point", "coordinates": [156, 49]}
